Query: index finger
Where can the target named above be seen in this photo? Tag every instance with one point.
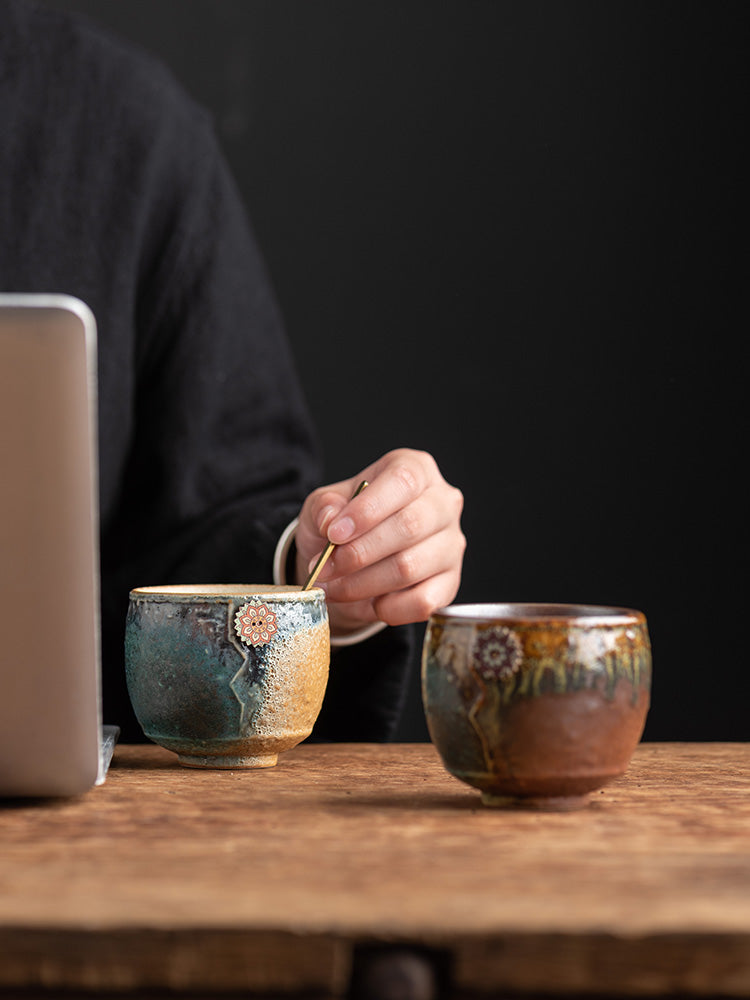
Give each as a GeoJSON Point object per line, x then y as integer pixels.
{"type": "Point", "coordinates": [324, 555]}
{"type": "Point", "coordinates": [392, 484]}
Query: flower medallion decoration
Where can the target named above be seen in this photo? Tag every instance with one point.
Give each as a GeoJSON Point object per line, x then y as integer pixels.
{"type": "Point", "coordinates": [498, 653]}
{"type": "Point", "coordinates": [255, 623]}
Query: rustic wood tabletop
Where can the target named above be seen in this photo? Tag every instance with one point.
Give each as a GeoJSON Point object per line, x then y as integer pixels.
{"type": "Point", "coordinates": [280, 880]}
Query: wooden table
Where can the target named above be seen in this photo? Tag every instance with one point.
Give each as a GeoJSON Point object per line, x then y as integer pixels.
{"type": "Point", "coordinates": [345, 860]}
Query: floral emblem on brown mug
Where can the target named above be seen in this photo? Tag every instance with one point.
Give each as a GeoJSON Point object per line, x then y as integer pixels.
{"type": "Point", "coordinates": [498, 653]}
{"type": "Point", "coordinates": [255, 623]}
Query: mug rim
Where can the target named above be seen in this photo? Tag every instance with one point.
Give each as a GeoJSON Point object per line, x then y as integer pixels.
{"type": "Point", "coordinates": [184, 592]}
{"type": "Point", "coordinates": [542, 613]}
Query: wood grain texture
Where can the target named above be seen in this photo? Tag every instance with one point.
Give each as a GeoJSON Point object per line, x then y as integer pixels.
{"type": "Point", "coordinates": [173, 878]}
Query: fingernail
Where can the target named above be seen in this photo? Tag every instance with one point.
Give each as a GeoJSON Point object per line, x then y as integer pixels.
{"type": "Point", "coordinates": [326, 514]}
{"type": "Point", "coordinates": [341, 531]}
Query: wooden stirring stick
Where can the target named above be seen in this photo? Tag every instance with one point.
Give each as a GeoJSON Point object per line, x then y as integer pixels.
{"type": "Point", "coordinates": [323, 558]}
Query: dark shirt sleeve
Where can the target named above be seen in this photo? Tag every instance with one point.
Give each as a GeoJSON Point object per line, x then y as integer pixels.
{"type": "Point", "coordinates": [367, 688]}
{"type": "Point", "coordinates": [116, 191]}
{"type": "Point", "coordinates": [222, 452]}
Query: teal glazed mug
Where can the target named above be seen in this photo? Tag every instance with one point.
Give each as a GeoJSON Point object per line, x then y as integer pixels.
{"type": "Point", "coordinates": [227, 676]}
{"type": "Point", "coordinates": [536, 705]}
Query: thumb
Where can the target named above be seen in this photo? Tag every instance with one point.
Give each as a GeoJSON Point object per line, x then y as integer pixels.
{"type": "Point", "coordinates": [316, 515]}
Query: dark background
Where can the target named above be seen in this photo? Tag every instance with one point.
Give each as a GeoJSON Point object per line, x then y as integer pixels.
{"type": "Point", "coordinates": [514, 234]}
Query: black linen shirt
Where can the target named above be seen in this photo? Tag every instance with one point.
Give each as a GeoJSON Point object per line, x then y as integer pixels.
{"type": "Point", "coordinates": [113, 189]}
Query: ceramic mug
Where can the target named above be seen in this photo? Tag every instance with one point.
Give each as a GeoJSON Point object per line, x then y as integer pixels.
{"type": "Point", "coordinates": [536, 704]}
{"type": "Point", "coordinates": [227, 676]}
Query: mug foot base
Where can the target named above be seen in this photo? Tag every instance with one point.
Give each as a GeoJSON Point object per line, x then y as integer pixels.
{"type": "Point", "coordinates": [228, 763]}
{"type": "Point", "coordinates": [540, 803]}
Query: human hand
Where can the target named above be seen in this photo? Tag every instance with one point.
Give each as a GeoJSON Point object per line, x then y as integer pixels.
{"type": "Point", "coordinates": [399, 544]}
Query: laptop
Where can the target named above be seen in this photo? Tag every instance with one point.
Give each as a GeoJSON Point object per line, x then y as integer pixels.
{"type": "Point", "coordinates": [52, 741]}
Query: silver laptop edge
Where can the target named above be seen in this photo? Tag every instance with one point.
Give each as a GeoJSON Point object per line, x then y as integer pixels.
{"type": "Point", "coordinates": [74, 307]}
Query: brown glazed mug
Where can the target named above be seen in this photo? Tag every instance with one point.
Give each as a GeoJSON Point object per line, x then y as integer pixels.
{"type": "Point", "coordinates": [536, 705]}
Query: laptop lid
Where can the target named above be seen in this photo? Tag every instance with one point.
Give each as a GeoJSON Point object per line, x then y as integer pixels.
{"type": "Point", "coordinates": [50, 715]}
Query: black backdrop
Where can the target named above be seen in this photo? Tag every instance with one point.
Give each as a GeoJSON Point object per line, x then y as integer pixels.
{"type": "Point", "coordinates": [512, 234]}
